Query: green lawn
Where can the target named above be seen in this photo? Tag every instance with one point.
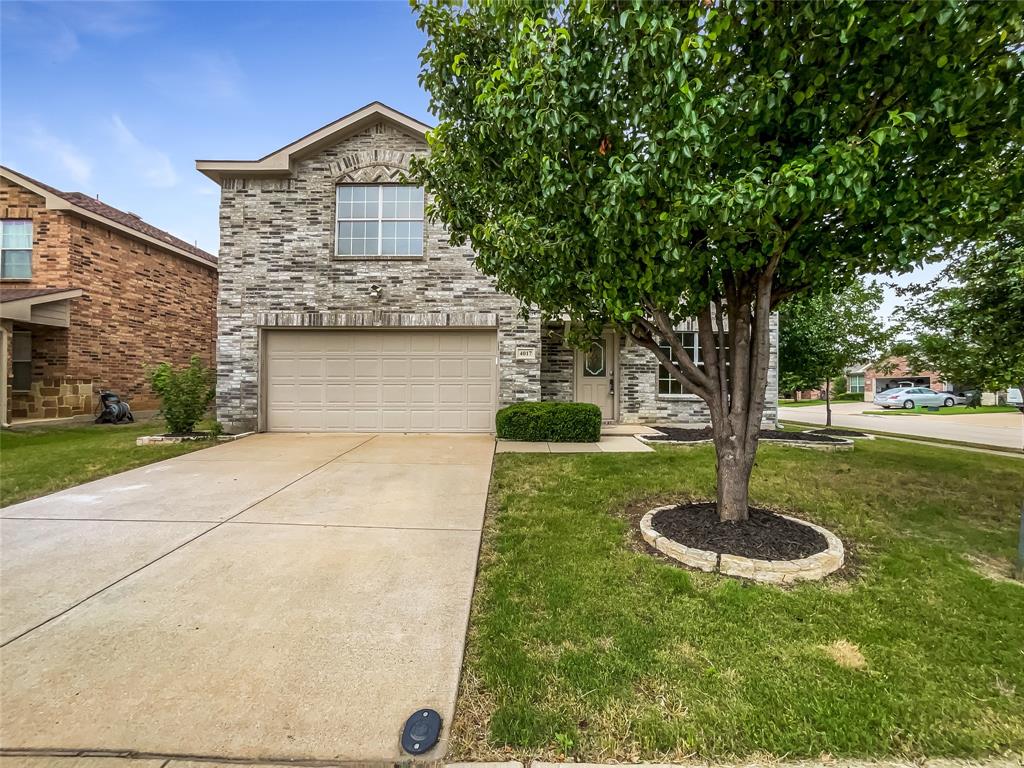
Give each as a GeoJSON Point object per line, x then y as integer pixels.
{"type": "Point", "coordinates": [39, 461]}
{"type": "Point", "coordinates": [805, 403]}
{"type": "Point", "coordinates": [951, 411]}
{"type": "Point", "coordinates": [583, 645]}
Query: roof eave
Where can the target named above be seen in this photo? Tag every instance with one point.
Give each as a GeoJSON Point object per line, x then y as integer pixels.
{"type": "Point", "coordinates": [57, 203]}
{"type": "Point", "coordinates": [279, 163]}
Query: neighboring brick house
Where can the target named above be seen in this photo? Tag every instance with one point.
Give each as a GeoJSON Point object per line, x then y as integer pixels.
{"type": "Point", "coordinates": [89, 297]}
{"type": "Point", "coordinates": [342, 308]}
{"type": "Point", "coordinates": [894, 372]}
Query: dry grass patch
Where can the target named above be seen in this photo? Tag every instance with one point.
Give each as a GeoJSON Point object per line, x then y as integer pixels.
{"type": "Point", "coordinates": [846, 654]}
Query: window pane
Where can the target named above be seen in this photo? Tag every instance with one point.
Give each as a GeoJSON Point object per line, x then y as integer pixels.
{"type": "Point", "coordinates": [17, 233]}
{"type": "Point", "coordinates": [16, 264]}
{"type": "Point", "coordinates": [21, 346]}
{"type": "Point", "coordinates": [22, 376]}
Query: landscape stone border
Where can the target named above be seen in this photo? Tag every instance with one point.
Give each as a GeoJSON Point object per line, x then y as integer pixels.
{"type": "Point", "coordinates": [158, 439]}
{"type": "Point", "coordinates": [812, 568]}
{"type": "Point", "coordinates": [841, 444]}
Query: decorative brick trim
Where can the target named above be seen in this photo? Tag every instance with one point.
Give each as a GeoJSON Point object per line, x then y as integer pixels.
{"type": "Point", "coordinates": [371, 166]}
{"type": "Point", "coordinates": [812, 568]}
{"type": "Point", "coordinates": [377, 319]}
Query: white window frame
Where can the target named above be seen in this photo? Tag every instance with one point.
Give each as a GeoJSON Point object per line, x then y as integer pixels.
{"type": "Point", "coordinates": [663, 373]}
{"type": "Point", "coordinates": [379, 220]}
{"type": "Point", "coordinates": [857, 383]}
{"type": "Point", "coordinates": [3, 250]}
{"type": "Point", "coordinates": [15, 360]}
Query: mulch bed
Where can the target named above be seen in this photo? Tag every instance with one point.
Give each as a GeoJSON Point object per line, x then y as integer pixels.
{"type": "Point", "coordinates": [835, 432]}
{"type": "Point", "coordinates": [697, 435]}
{"type": "Point", "coordinates": [764, 535]}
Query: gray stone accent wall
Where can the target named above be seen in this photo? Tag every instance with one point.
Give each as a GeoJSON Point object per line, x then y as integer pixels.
{"type": "Point", "coordinates": [557, 368]}
{"type": "Point", "coordinates": [640, 403]}
{"type": "Point", "coordinates": [278, 268]}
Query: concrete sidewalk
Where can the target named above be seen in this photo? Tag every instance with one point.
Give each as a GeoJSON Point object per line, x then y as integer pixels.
{"type": "Point", "coordinates": [279, 598]}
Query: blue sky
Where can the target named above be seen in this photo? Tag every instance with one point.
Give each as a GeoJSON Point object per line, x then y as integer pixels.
{"type": "Point", "coordinates": [119, 99]}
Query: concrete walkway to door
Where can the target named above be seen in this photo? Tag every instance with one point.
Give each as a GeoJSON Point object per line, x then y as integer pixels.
{"type": "Point", "coordinates": [282, 597]}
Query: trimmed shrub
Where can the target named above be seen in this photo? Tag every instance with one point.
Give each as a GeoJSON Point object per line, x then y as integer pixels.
{"type": "Point", "coordinates": [550, 422]}
{"type": "Point", "coordinates": [185, 394]}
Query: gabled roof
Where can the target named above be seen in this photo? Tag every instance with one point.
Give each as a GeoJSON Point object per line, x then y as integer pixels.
{"type": "Point", "coordinates": [91, 208]}
{"type": "Point", "coordinates": [278, 163]}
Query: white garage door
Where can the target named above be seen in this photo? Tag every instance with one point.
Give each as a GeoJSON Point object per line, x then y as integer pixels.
{"type": "Point", "coordinates": [381, 380]}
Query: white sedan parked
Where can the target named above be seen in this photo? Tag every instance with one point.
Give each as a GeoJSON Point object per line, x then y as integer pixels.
{"type": "Point", "coordinates": [910, 397]}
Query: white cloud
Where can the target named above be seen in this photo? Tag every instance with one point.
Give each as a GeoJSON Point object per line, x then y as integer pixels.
{"type": "Point", "coordinates": [150, 164]}
{"type": "Point", "coordinates": [72, 160]}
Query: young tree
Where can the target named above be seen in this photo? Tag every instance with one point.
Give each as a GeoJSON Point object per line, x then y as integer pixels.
{"type": "Point", "coordinates": [823, 334]}
{"type": "Point", "coordinates": [635, 164]}
{"type": "Point", "coordinates": [970, 324]}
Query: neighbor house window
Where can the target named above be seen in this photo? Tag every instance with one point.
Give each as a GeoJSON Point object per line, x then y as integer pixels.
{"type": "Point", "coordinates": [16, 248]}
{"type": "Point", "coordinates": [857, 383]}
{"type": "Point", "coordinates": [21, 361]}
{"type": "Point", "coordinates": [380, 220]}
{"type": "Point", "coordinates": [667, 383]}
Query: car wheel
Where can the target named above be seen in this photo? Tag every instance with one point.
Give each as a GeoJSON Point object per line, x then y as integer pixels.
{"type": "Point", "coordinates": [949, 402]}
{"type": "Point", "coordinates": [908, 404]}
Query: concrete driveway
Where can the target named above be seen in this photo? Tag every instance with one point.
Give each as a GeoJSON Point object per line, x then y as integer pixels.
{"type": "Point", "coordinates": [282, 597]}
{"type": "Point", "coordinates": [1000, 430]}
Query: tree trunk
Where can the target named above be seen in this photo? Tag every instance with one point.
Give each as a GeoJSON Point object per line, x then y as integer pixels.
{"type": "Point", "coordinates": [828, 404]}
{"type": "Point", "coordinates": [732, 469]}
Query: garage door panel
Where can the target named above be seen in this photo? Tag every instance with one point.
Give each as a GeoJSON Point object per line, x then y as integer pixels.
{"type": "Point", "coordinates": [451, 368]}
{"type": "Point", "coordinates": [398, 380]}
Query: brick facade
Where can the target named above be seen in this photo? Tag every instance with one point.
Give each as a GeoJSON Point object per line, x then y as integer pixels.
{"type": "Point", "coordinates": [637, 382]}
{"type": "Point", "coordinates": [278, 268]}
{"type": "Point", "coordinates": [140, 305]}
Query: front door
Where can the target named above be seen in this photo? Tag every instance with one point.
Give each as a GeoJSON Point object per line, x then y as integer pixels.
{"type": "Point", "coordinates": [595, 375]}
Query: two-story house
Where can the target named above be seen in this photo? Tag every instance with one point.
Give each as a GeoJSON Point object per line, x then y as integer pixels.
{"type": "Point", "coordinates": [90, 296]}
{"type": "Point", "coordinates": [343, 308]}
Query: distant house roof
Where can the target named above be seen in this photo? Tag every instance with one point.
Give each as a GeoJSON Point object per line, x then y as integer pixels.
{"type": "Point", "coordinates": [91, 208]}
{"type": "Point", "coordinates": [278, 163]}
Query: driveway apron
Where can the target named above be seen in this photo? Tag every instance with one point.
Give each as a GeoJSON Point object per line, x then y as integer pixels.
{"type": "Point", "coordinates": [282, 597]}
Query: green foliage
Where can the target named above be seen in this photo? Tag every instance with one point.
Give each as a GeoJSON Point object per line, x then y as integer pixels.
{"type": "Point", "coordinates": [185, 393]}
{"type": "Point", "coordinates": [216, 430]}
{"type": "Point", "coordinates": [640, 163]}
{"type": "Point", "coordinates": [970, 323]}
{"type": "Point", "coordinates": [821, 335]}
{"type": "Point", "coordinates": [41, 461]}
{"type": "Point", "coordinates": [839, 387]}
{"type": "Point", "coordinates": [551, 422]}
{"type": "Point", "coordinates": [604, 157]}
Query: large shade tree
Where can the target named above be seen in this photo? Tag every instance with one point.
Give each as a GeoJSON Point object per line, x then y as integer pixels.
{"type": "Point", "coordinates": [823, 334]}
{"type": "Point", "coordinates": [636, 164]}
{"type": "Point", "coordinates": [969, 322]}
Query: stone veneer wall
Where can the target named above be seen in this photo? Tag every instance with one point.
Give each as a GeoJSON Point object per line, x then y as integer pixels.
{"type": "Point", "coordinates": [557, 368]}
{"type": "Point", "coordinates": [278, 268]}
{"type": "Point", "coordinates": [640, 403]}
{"type": "Point", "coordinates": [51, 398]}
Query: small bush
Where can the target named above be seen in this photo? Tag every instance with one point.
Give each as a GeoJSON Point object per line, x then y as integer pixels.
{"type": "Point", "coordinates": [551, 422]}
{"type": "Point", "coordinates": [185, 394]}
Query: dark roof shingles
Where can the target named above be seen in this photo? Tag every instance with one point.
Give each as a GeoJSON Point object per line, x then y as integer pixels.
{"type": "Point", "coordinates": [123, 218]}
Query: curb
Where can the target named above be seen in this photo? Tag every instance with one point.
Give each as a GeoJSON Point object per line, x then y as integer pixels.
{"type": "Point", "coordinates": [782, 572]}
